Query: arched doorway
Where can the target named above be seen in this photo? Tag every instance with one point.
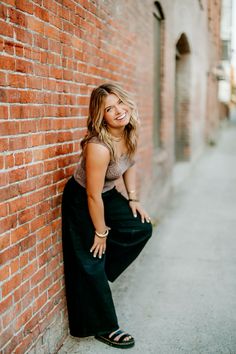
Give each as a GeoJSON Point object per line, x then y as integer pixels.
{"type": "Point", "coordinates": [182, 99]}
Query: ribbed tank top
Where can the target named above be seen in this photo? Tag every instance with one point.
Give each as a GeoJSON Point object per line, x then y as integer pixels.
{"type": "Point", "coordinates": [114, 171]}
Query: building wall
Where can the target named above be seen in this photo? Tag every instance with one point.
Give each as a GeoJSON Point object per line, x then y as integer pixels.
{"type": "Point", "coordinates": [52, 54]}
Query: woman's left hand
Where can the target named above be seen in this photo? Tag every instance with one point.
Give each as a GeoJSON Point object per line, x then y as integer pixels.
{"type": "Point", "coordinates": [136, 208]}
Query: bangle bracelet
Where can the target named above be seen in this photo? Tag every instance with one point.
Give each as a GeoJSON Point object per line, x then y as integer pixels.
{"type": "Point", "coordinates": [133, 200]}
{"type": "Point", "coordinates": [133, 191]}
{"type": "Point", "coordinates": [102, 235]}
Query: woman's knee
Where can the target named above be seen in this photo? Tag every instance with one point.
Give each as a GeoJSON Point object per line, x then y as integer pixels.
{"type": "Point", "coordinates": [146, 229]}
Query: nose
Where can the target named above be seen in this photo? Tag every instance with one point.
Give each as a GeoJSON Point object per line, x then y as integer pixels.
{"type": "Point", "coordinates": [119, 109]}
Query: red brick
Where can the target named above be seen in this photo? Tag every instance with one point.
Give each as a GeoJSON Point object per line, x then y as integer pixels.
{"type": "Point", "coordinates": [4, 273]}
{"type": "Point", "coordinates": [9, 253]}
{"type": "Point", "coordinates": [14, 266]}
{"type": "Point", "coordinates": [43, 259]}
{"type": "Point", "coordinates": [19, 158]}
{"type": "Point", "coordinates": [24, 345]}
{"type": "Point", "coordinates": [24, 5]}
{"type": "Point", "coordinates": [35, 25]}
{"type": "Point", "coordinates": [52, 32]}
{"type": "Point", "coordinates": [6, 304]}
{"type": "Point", "coordinates": [41, 13]}
{"type": "Point", "coordinates": [26, 215]}
{"type": "Point", "coordinates": [37, 223]}
{"type": "Point", "coordinates": [8, 192]}
{"type": "Point", "coordinates": [4, 210]}
{"type": "Point", "coordinates": [9, 48]}
{"type": "Point", "coordinates": [31, 327]}
{"type": "Point", "coordinates": [29, 126]}
{"type": "Point", "coordinates": [8, 317]}
{"type": "Point", "coordinates": [56, 73]}
{"type": "Point", "coordinates": [41, 70]}
{"type": "Point", "coordinates": [19, 233]}
{"type": "Point", "coordinates": [27, 97]}
{"type": "Point", "coordinates": [19, 50]}
{"type": "Point", "coordinates": [43, 207]}
{"type": "Point", "coordinates": [32, 251]}
{"type": "Point", "coordinates": [18, 143]}
{"type": "Point", "coordinates": [24, 259]}
{"type": "Point", "coordinates": [7, 63]}
{"type": "Point", "coordinates": [4, 241]}
{"type": "Point", "coordinates": [3, 79]}
{"type": "Point", "coordinates": [27, 244]}
{"type": "Point", "coordinates": [51, 5]}
{"type": "Point", "coordinates": [24, 36]}
{"type": "Point", "coordinates": [6, 29]}
{"type": "Point", "coordinates": [41, 42]}
{"type": "Point", "coordinates": [11, 284]}
{"type": "Point", "coordinates": [37, 277]}
{"type": "Point", "coordinates": [40, 302]}
{"type": "Point", "coordinates": [50, 165]}
{"type": "Point", "coordinates": [3, 112]}
{"type": "Point", "coordinates": [4, 178]}
{"type": "Point", "coordinates": [7, 223]}
{"type": "Point", "coordinates": [23, 318]}
{"type": "Point", "coordinates": [17, 17]}
{"type": "Point", "coordinates": [17, 175]}
{"type": "Point", "coordinates": [15, 339]}
{"type": "Point", "coordinates": [16, 80]}
{"type": "Point", "coordinates": [2, 166]}
{"type": "Point", "coordinates": [26, 186]}
{"type": "Point", "coordinates": [43, 232]}
{"type": "Point", "coordinates": [9, 128]}
{"type": "Point", "coordinates": [9, 161]}
{"type": "Point", "coordinates": [29, 270]}
{"type": "Point", "coordinates": [16, 111]}
{"type": "Point", "coordinates": [3, 12]}
{"type": "Point", "coordinates": [10, 95]}
{"type": "Point", "coordinates": [6, 336]}
{"type": "Point", "coordinates": [20, 292]}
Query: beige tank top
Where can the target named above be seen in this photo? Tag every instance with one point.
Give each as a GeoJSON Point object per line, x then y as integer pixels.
{"type": "Point", "coordinates": [114, 171]}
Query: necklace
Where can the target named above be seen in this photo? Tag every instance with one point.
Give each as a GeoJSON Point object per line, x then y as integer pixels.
{"type": "Point", "coordinates": [117, 138]}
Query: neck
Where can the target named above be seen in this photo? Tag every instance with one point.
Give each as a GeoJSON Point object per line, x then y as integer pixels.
{"type": "Point", "coordinates": [117, 133]}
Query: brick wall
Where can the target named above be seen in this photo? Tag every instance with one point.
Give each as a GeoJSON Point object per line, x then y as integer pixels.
{"type": "Point", "coordinates": [52, 54]}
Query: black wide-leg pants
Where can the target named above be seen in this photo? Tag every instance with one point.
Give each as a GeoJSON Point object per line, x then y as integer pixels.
{"type": "Point", "coordinates": [89, 301]}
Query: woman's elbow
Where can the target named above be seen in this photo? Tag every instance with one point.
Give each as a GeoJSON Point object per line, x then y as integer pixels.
{"type": "Point", "coordinates": [94, 197]}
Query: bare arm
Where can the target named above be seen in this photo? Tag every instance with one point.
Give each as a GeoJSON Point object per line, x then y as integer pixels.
{"type": "Point", "coordinates": [129, 178]}
{"type": "Point", "coordinates": [97, 160]}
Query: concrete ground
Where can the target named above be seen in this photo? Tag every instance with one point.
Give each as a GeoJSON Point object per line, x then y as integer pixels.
{"type": "Point", "coordinates": [180, 295]}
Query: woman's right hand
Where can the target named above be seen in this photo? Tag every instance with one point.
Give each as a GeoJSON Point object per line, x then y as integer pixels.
{"type": "Point", "coordinates": [99, 246]}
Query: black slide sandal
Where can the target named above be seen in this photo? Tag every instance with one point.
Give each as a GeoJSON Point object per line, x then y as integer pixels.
{"type": "Point", "coordinates": [120, 343]}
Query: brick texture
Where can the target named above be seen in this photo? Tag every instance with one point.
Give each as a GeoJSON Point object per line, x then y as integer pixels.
{"type": "Point", "coordinates": [52, 54]}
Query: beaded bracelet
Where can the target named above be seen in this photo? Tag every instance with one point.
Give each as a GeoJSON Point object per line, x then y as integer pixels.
{"type": "Point", "coordinates": [102, 235]}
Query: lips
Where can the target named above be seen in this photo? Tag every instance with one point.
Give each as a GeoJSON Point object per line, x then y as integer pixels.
{"type": "Point", "coordinates": [121, 117]}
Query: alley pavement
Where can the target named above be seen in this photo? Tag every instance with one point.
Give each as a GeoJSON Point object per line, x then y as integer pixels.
{"type": "Point", "coordinates": [180, 294]}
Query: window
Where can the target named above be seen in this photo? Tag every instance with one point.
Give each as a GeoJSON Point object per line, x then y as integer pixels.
{"type": "Point", "coordinates": [225, 49]}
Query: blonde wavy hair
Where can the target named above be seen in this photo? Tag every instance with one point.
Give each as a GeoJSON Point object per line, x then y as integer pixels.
{"type": "Point", "coordinates": [97, 126]}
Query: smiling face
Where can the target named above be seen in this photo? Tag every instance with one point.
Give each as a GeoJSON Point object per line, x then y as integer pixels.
{"type": "Point", "coordinates": [116, 113]}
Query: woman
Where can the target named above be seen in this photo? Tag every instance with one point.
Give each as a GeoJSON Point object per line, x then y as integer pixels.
{"type": "Point", "coordinates": [103, 232]}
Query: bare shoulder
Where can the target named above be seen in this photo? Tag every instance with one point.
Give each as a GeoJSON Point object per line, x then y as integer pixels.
{"type": "Point", "coordinates": [97, 153]}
